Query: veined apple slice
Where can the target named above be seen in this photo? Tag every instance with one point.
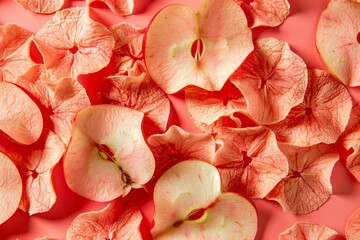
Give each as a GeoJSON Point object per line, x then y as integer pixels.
{"type": "Point", "coordinates": [352, 227]}
{"type": "Point", "coordinates": [123, 7]}
{"type": "Point", "coordinates": [20, 117]}
{"type": "Point", "coordinates": [189, 205]}
{"type": "Point", "coordinates": [41, 6]}
{"type": "Point", "coordinates": [183, 48]}
{"type": "Point", "coordinates": [107, 155]}
{"type": "Point", "coordinates": [309, 231]}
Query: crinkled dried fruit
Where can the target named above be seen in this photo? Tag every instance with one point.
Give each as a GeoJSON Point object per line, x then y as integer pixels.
{"type": "Point", "coordinates": [123, 7]}
{"type": "Point", "coordinates": [309, 231]}
{"type": "Point", "coordinates": [41, 6]}
{"type": "Point", "coordinates": [352, 227]}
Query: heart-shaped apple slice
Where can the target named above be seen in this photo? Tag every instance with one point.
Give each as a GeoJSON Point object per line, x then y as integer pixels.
{"type": "Point", "coordinates": [107, 155]}
{"type": "Point", "coordinates": [183, 48]}
{"type": "Point", "coordinates": [189, 205]}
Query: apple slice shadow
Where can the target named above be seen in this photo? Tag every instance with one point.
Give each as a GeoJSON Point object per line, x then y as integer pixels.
{"type": "Point", "coordinates": [140, 6]}
{"type": "Point", "coordinates": [343, 182]}
{"type": "Point", "coordinates": [16, 225]}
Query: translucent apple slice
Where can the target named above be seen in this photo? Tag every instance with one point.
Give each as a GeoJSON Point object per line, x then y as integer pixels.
{"type": "Point", "coordinates": [309, 231]}
{"type": "Point", "coordinates": [352, 227]}
{"type": "Point", "coordinates": [338, 40]}
{"type": "Point", "coordinates": [107, 155]}
{"type": "Point", "coordinates": [116, 221]}
{"type": "Point", "coordinates": [10, 188]}
{"type": "Point", "coordinates": [307, 186]}
{"type": "Point", "coordinates": [183, 48]}
{"type": "Point", "coordinates": [123, 7]}
{"type": "Point", "coordinates": [41, 6]}
{"type": "Point", "coordinates": [189, 205]}
{"type": "Point", "coordinates": [20, 117]}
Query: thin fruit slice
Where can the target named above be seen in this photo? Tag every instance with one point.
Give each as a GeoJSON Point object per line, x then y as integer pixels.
{"type": "Point", "coordinates": [273, 79]}
{"type": "Point", "coordinates": [340, 22]}
{"type": "Point", "coordinates": [10, 188]}
{"type": "Point", "coordinates": [20, 117]}
{"type": "Point", "coordinates": [188, 207]}
{"type": "Point", "coordinates": [118, 220]}
{"type": "Point", "coordinates": [352, 227]}
{"type": "Point", "coordinates": [123, 7]}
{"type": "Point", "coordinates": [41, 6]}
{"type": "Point", "coordinates": [307, 186]}
{"type": "Point", "coordinates": [105, 164]}
{"type": "Point", "coordinates": [183, 48]}
{"type": "Point", "coordinates": [309, 231]}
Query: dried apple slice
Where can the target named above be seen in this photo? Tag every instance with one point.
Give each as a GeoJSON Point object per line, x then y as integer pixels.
{"type": "Point", "coordinates": [20, 117]}
{"type": "Point", "coordinates": [104, 164]}
{"type": "Point", "coordinates": [189, 205]}
{"type": "Point", "coordinates": [10, 188]}
{"type": "Point", "coordinates": [341, 54]}
{"type": "Point", "coordinates": [117, 220]}
{"type": "Point", "coordinates": [41, 6]}
{"type": "Point", "coordinates": [273, 79]}
{"type": "Point", "coordinates": [309, 231]}
{"type": "Point", "coordinates": [183, 48]}
{"type": "Point", "coordinates": [352, 227]}
{"type": "Point", "coordinates": [123, 7]}
{"type": "Point", "coordinates": [307, 186]}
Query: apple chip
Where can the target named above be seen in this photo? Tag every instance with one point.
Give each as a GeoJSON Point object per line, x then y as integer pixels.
{"type": "Point", "coordinates": [309, 231]}
{"type": "Point", "coordinates": [249, 161]}
{"type": "Point", "coordinates": [307, 185]}
{"type": "Point", "coordinates": [188, 207]}
{"type": "Point", "coordinates": [73, 44]}
{"type": "Point", "coordinates": [10, 188]}
{"type": "Point", "coordinates": [123, 7]}
{"type": "Point", "coordinates": [116, 221]}
{"type": "Point", "coordinates": [41, 6]}
{"type": "Point", "coordinates": [338, 40]}
{"type": "Point", "coordinates": [321, 117]}
{"type": "Point", "coordinates": [352, 227]}
{"type": "Point", "coordinates": [107, 155]}
{"type": "Point", "coordinates": [183, 48]}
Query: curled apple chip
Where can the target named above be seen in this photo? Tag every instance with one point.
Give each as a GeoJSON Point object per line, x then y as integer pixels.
{"type": "Point", "coordinates": [10, 188]}
{"type": "Point", "coordinates": [107, 155]}
{"type": "Point", "coordinates": [249, 161]}
{"type": "Point", "coordinates": [189, 205]}
{"type": "Point", "coordinates": [307, 185]}
{"type": "Point", "coordinates": [309, 231]}
{"type": "Point", "coordinates": [123, 7]}
{"type": "Point", "coordinates": [116, 221]}
{"type": "Point", "coordinates": [20, 117]}
{"type": "Point", "coordinates": [321, 117]}
{"type": "Point", "coordinates": [338, 40]}
{"type": "Point", "coordinates": [183, 48]}
{"type": "Point", "coordinates": [41, 6]}
{"type": "Point", "coordinates": [80, 45]}
{"type": "Point", "coordinates": [352, 227]}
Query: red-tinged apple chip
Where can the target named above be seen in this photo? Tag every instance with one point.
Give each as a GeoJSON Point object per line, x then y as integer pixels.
{"type": "Point", "coordinates": [338, 40]}
{"type": "Point", "coordinates": [189, 205]}
{"type": "Point", "coordinates": [123, 7]}
{"type": "Point", "coordinates": [20, 117]}
{"type": "Point", "coordinates": [10, 188]}
{"type": "Point", "coordinates": [183, 48]}
{"type": "Point", "coordinates": [41, 6]}
{"type": "Point", "coordinates": [352, 227]}
{"type": "Point", "coordinates": [118, 220]}
{"type": "Point", "coordinates": [14, 51]}
{"type": "Point", "coordinates": [80, 45]}
{"type": "Point", "coordinates": [249, 161]}
{"type": "Point", "coordinates": [309, 231]}
{"type": "Point", "coordinates": [273, 79]}
{"type": "Point", "coordinates": [307, 186]}
{"type": "Point", "coordinates": [107, 155]}
{"type": "Point", "coordinates": [321, 117]}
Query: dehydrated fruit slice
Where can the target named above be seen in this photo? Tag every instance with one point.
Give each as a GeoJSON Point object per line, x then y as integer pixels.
{"type": "Point", "coordinates": [309, 231]}
{"type": "Point", "coordinates": [20, 117]}
{"type": "Point", "coordinates": [273, 79]}
{"type": "Point", "coordinates": [188, 207]}
{"type": "Point", "coordinates": [14, 51]}
{"type": "Point", "coordinates": [183, 48]}
{"type": "Point", "coordinates": [249, 161]}
{"type": "Point", "coordinates": [116, 221]}
{"type": "Point", "coordinates": [123, 7]}
{"type": "Point", "coordinates": [80, 45]}
{"type": "Point", "coordinates": [104, 164]}
{"type": "Point", "coordinates": [41, 6]}
{"type": "Point", "coordinates": [307, 186]}
{"type": "Point", "coordinates": [352, 227]}
{"type": "Point", "coordinates": [321, 117]}
{"type": "Point", "coordinates": [340, 22]}
{"type": "Point", "coordinates": [10, 188]}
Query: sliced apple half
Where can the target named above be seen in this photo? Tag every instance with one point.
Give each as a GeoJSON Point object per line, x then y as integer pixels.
{"type": "Point", "coordinates": [107, 155]}
{"type": "Point", "coordinates": [184, 48]}
{"type": "Point", "coordinates": [189, 205]}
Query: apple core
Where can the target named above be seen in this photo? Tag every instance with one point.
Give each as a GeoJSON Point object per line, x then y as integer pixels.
{"type": "Point", "coordinates": [358, 37]}
{"type": "Point", "coordinates": [197, 49]}
{"type": "Point", "coordinates": [196, 214]}
{"type": "Point", "coordinates": [74, 49]}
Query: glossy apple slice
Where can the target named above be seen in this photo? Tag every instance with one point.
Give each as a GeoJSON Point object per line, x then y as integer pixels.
{"type": "Point", "coordinates": [183, 48]}
{"type": "Point", "coordinates": [189, 205]}
{"type": "Point", "coordinates": [107, 155]}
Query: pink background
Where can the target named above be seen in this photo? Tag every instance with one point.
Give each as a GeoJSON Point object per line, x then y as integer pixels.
{"type": "Point", "coordinates": [298, 30]}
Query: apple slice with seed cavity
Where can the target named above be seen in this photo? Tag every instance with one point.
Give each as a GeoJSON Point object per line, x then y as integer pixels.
{"type": "Point", "coordinates": [189, 205]}
{"type": "Point", "coordinates": [183, 48]}
{"type": "Point", "coordinates": [107, 155]}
